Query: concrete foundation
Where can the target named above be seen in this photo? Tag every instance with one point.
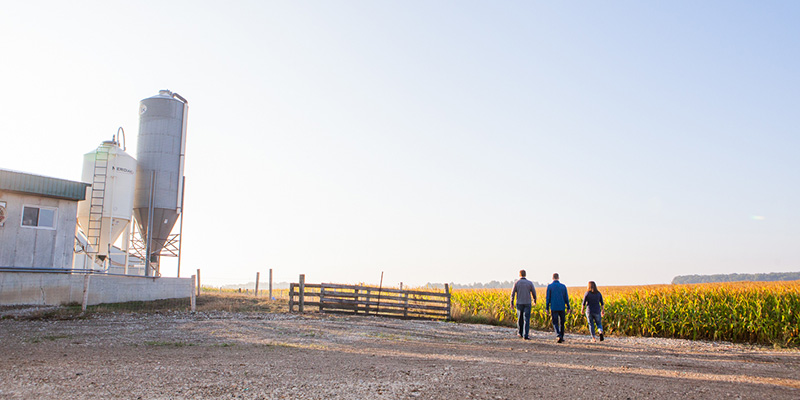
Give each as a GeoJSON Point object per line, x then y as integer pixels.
{"type": "Point", "coordinates": [27, 288]}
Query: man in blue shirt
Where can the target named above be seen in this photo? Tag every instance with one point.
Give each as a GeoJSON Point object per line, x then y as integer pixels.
{"type": "Point", "coordinates": [557, 301]}
{"type": "Point", "coordinates": [526, 298]}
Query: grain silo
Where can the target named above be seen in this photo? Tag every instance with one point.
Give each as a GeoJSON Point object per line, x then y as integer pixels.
{"type": "Point", "coordinates": [161, 146]}
{"type": "Point", "coordinates": [107, 209]}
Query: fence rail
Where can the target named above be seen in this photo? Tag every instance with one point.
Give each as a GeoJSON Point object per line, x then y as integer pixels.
{"type": "Point", "coordinates": [398, 303]}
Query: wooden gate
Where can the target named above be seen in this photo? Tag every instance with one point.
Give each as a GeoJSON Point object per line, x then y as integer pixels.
{"type": "Point", "coordinates": [368, 300]}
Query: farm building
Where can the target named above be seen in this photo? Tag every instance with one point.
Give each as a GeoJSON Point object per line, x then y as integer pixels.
{"type": "Point", "coordinates": [38, 221]}
{"type": "Point", "coordinates": [38, 215]}
{"type": "Point", "coordinates": [57, 235]}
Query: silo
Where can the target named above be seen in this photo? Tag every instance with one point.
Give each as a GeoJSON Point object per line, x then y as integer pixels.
{"type": "Point", "coordinates": [107, 209]}
{"type": "Point", "coordinates": [161, 145]}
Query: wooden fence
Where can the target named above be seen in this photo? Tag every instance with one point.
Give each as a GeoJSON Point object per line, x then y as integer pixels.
{"type": "Point", "coordinates": [370, 300]}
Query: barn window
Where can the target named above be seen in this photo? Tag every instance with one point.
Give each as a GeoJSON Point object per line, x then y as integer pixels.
{"type": "Point", "coordinates": [39, 217]}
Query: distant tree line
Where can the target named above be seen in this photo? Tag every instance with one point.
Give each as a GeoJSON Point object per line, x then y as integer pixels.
{"type": "Point", "coordinates": [261, 285]}
{"type": "Point", "coordinates": [772, 276]}
{"type": "Point", "coordinates": [479, 285]}
{"type": "Point", "coordinates": [476, 285]}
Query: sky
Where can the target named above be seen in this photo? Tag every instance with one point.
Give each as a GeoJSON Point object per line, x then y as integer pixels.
{"type": "Point", "coordinates": [622, 142]}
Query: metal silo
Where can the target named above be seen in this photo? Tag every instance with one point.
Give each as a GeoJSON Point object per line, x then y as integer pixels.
{"type": "Point", "coordinates": [158, 198]}
{"type": "Point", "coordinates": [107, 209]}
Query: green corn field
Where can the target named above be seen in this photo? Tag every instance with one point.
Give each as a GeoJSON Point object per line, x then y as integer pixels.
{"type": "Point", "coordinates": [745, 312]}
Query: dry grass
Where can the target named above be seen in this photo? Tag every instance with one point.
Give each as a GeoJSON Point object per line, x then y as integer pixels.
{"type": "Point", "coordinates": [239, 302]}
{"type": "Point", "coordinates": [206, 302]}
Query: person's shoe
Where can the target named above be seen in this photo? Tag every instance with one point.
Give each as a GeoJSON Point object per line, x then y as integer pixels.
{"type": "Point", "coordinates": [560, 340]}
{"type": "Point", "coordinates": [601, 336]}
{"type": "Point", "coordinates": [519, 335]}
{"type": "Point", "coordinates": [526, 338]}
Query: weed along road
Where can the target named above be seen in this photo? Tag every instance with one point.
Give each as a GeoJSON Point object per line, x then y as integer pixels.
{"type": "Point", "coordinates": [216, 354]}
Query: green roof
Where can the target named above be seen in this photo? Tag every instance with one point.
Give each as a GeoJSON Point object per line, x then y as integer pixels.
{"type": "Point", "coordinates": [42, 185]}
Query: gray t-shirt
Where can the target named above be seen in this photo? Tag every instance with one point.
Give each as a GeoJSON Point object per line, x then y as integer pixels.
{"type": "Point", "coordinates": [523, 290]}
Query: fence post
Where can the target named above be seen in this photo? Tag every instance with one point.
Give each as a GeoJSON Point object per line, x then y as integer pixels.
{"type": "Point", "coordinates": [85, 293]}
{"type": "Point", "coordinates": [447, 292]}
{"type": "Point", "coordinates": [291, 297]}
{"type": "Point", "coordinates": [355, 309]}
{"type": "Point", "coordinates": [198, 281]}
{"type": "Point", "coordinates": [193, 302]}
{"type": "Point", "coordinates": [258, 275]}
{"type": "Point", "coordinates": [321, 296]}
{"type": "Point", "coordinates": [301, 300]}
{"type": "Point", "coordinates": [270, 284]}
{"type": "Point", "coordinates": [405, 307]}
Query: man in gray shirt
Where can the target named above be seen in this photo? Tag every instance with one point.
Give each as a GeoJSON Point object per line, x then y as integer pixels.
{"type": "Point", "coordinates": [526, 298]}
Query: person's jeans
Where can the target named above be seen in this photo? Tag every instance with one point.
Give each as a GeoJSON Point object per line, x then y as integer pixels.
{"type": "Point", "coordinates": [524, 319]}
{"type": "Point", "coordinates": [594, 322]}
{"type": "Point", "coordinates": [559, 320]}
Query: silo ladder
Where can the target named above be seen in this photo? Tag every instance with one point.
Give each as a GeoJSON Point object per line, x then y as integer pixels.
{"type": "Point", "coordinates": [97, 198]}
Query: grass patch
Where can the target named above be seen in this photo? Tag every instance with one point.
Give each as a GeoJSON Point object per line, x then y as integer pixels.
{"type": "Point", "coordinates": [206, 302]}
{"type": "Point", "coordinates": [142, 306]}
{"type": "Point", "coordinates": [39, 339]}
{"type": "Point", "coordinates": [62, 313]}
{"type": "Point", "coordinates": [240, 302]}
{"type": "Point", "coordinates": [286, 345]}
{"type": "Point", "coordinates": [168, 344]}
{"type": "Point", "coordinates": [385, 336]}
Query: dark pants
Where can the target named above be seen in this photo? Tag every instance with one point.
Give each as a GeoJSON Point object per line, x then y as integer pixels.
{"type": "Point", "coordinates": [523, 319]}
{"type": "Point", "coordinates": [559, 319]}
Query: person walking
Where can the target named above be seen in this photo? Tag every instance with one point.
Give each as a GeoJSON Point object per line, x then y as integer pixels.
{"type": "Point", "coordinates": [557, 301]}
{"type": "Point", "coordinates": [595, 310]}
{"type": "Point", "coordinates": [525, 294]}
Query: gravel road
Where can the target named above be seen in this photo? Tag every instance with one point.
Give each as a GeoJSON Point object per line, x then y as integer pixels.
{"type": "Point", "coordinates": [317, 356]}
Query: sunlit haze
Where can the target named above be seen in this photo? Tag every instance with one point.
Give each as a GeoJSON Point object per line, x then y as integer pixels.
{"type": "Point", "coordinates": [620, 142]}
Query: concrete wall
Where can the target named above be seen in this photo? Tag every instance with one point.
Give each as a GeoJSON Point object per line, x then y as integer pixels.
{"type": "Point", "coordinates": [29, 247]}
{"type": "Point", "coordinates": [17, 288]}
{"type": "Point", "coordinates": [135, 267]}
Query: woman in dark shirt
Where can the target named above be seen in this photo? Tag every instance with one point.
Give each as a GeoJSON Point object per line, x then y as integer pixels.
{"type": "Point", "coordinates": [593, 306]}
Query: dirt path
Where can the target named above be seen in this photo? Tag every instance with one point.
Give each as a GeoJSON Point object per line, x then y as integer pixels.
{"type": "Point", "coordinates": [274, 356]}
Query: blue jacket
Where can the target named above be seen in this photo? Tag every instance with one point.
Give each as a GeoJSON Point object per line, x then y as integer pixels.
{"type": "Point", "coordinates": [557, 297]}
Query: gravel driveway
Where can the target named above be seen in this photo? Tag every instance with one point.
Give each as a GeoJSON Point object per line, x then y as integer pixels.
{"type": "Point", "coordinates": [316, 356]}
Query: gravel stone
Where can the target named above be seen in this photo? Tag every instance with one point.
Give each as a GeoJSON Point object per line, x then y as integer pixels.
{"type": "Point", "coordinates": [216, 355]}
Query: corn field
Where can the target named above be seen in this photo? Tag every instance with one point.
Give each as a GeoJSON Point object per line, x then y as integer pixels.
{"type": "Point", "coordinates": [758, 312]}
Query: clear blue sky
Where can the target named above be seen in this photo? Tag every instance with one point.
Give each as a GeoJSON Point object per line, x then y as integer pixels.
{"type": "Point", "coordinates": [622, 142]}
